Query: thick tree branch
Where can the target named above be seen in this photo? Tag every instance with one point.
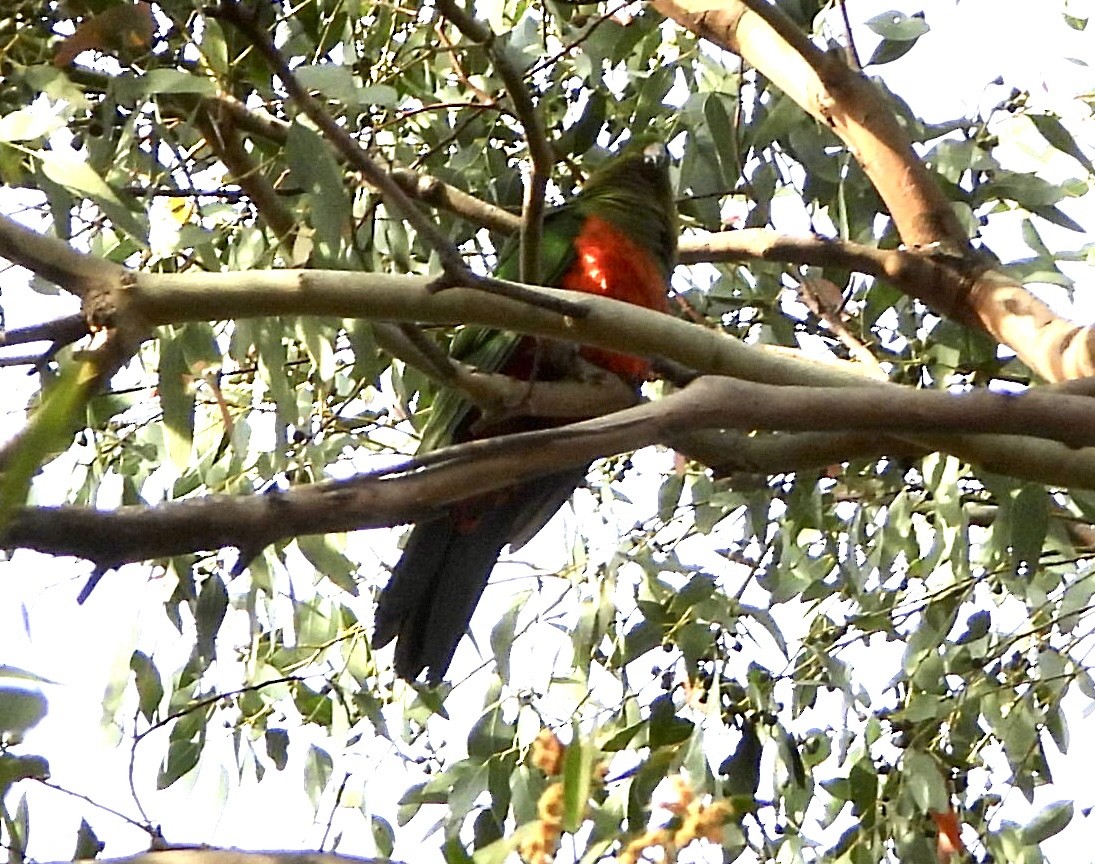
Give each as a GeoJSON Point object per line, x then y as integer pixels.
{"type": "Point", "coordinates": [162, 298]}
{"type": "Point", "coordinates": [919, 275]}
{"type": "Point", "coordinates": [152, 299]}
{"type": "Point", "coordinates": [404, 494]}
{"type": "Point", "coordinates": [728, 451]}
{"type": "Point", "coordinates": [55, 260]}
{"type": "Point", "coordinates": [60, 331]}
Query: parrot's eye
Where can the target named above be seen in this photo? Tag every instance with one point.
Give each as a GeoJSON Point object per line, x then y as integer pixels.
{"type": "Point", "coordinates": [655, 155]}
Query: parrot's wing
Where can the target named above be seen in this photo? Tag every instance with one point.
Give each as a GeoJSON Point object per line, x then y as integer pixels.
{"type": "Point", "coordinates": [490, 350]}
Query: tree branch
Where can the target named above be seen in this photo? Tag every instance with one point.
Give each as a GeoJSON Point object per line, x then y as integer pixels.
{"type": "Point", "coordinates": [162, 298]}
{"type": "Point", "coordinates": [55, 260]}
{"type": "Point", "coordinates": [60, 331]}
{"type": "Point", "coordinates": [857, 111]}
{"type": "Point", "coordinates": [437, 193]}
{"type": "Point", "coordinates": [419, 487]}
{"type": "Point", "coordinates": [592, 392]}
{"type": "Point", "coordinates": [540, 152]}
{"type": "Point", "coordinates": [221, 136]}
{"type": "Point", "coordinates": [844, 100]}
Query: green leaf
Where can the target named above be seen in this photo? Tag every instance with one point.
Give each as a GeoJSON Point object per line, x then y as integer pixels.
{"type": "Point", "coordinates": [491, 734]}
{"type": "Point", "coordinates": [23, 675]}
{"type": "Point", "coordinates": [765, 619]}
{"type": "Point", "coordinates": [1051, 820]}
{"type": "Point", "coordinates": [1029, 522]}
{"type": "Point", "coordinates": [67, 168]}
{"type": "Point", "coordinates": [383, 836]}
{"type": "Point", "coordinates": [132, 86]}
{"type": "Point", "coordinates": [333, 81]}
{"type": "Point", "coordinates": [1054, 131]}
{"type": "Point", "coordinates": [922, 778]}
{"type": "Point", "coordinates": [88, 844]}
{"type": "Point", "coordinates": [898, 25]}
{"type": "Point", "coordinates": [277, 747]}
{"type": "Point", "coordinates": [149, 687]}
{"type": "Point", "coordinates": [329, 561]}
{"type": "Point", "coordinates": [20, 710]}
{"type": "Point", "coordinates": [502, 635]}
{"type": "Point", "coordinates": [176, 397]}
{"type": "Point", "coordinates": [313, 166]}
{"type": "Point", "coordinates": [653, 771]}
{"type": "Point", "coordinates": [28, 124]}
{"type": "Point", "coordinates": [669, 495]}
{"type": "Point", "coordinates": [185, 744]}
{"type": "Point", "coordinates": [209, 612]}
{"type": "Point", "coordinates": [16, 768]}
{"type": "Point", "coordinates": [318, 767]}
{"type": "Point", "coordinates": [49, 431]}
{"type": "Point", "coordinates": [742, 767]}
{"type": "Point", "coordinates": [582, 134]}
{"type": "Point", "coordinates": [578, 764]}
{"type": "Point", "coordinates": [889, 50]}
{"type": "Point", "coordinates": [500, 851]}
{"type": "Point", "coordinates": [666, 728]}
{"type": "Point", "coordinates": [315, 708]}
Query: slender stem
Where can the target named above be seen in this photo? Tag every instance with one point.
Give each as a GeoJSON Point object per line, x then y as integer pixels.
{"type": "Point", "coordinates": [540, 151]}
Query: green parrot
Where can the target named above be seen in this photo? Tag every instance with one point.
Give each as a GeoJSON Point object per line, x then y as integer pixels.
{"type": "Point", "coordinates": [616, 238]}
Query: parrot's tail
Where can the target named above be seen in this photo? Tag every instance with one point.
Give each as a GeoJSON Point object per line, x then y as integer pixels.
{"type": "Point", "coordinates": [428, 603]}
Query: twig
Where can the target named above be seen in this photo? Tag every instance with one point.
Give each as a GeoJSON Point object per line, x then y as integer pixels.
{"type": "Point", "coordinates": [812, 294]}
{"type": "Point", "coordinates": [436, 192]}
{"type": "Point", "coordinates": [512, 290]}
{"type": "Point", "coordinates": [540, 150]}
{"type": "Point", "coordinates": [234, 13]}
{"type": "Point", "coordinates": [570, 46]}
{"type": "Point", "coordinates": [499, 396]}
{"type": "Point", "coordinates": [136, 823]}
{"type": "Point", "coordinates": [63, 330]}
{"type": "Point", "coordinates": [850, 51]}
{"type": "Point", "coordinates": [220, 134]}
{"type": "Point", "coordinates": [411, 345]}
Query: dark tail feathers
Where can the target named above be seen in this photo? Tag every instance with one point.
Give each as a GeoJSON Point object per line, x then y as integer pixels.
{"type": "Point", "coordinates": [428, 603]}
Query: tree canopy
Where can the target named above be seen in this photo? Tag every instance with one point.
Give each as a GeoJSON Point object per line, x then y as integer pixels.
{"type": "Point", "coordinates": [826, 592]}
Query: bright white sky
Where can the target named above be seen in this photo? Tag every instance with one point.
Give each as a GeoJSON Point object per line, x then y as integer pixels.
{"type": "Point", "coordinates": [946, 75]}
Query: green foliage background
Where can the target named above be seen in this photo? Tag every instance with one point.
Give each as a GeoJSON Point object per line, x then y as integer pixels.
{"type": "Point", "coordinates": [837, 652]}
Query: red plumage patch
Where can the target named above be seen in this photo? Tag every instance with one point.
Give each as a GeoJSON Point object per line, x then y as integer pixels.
{"type": "Point", "coordinates": [611, 264]}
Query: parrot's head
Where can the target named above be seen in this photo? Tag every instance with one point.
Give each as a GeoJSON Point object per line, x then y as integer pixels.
{"type": "Point", "coordinates": [642, 165]}
{"type": "Point", "coordinates": [634, 190]}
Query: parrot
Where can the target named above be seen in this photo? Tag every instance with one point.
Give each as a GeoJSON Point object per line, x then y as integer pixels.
{"type": "Point", "coordinates": [616, 238]}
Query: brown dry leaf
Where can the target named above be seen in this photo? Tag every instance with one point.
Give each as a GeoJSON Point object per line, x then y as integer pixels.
{"type": "Point", "coordinates": [822, 296]}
